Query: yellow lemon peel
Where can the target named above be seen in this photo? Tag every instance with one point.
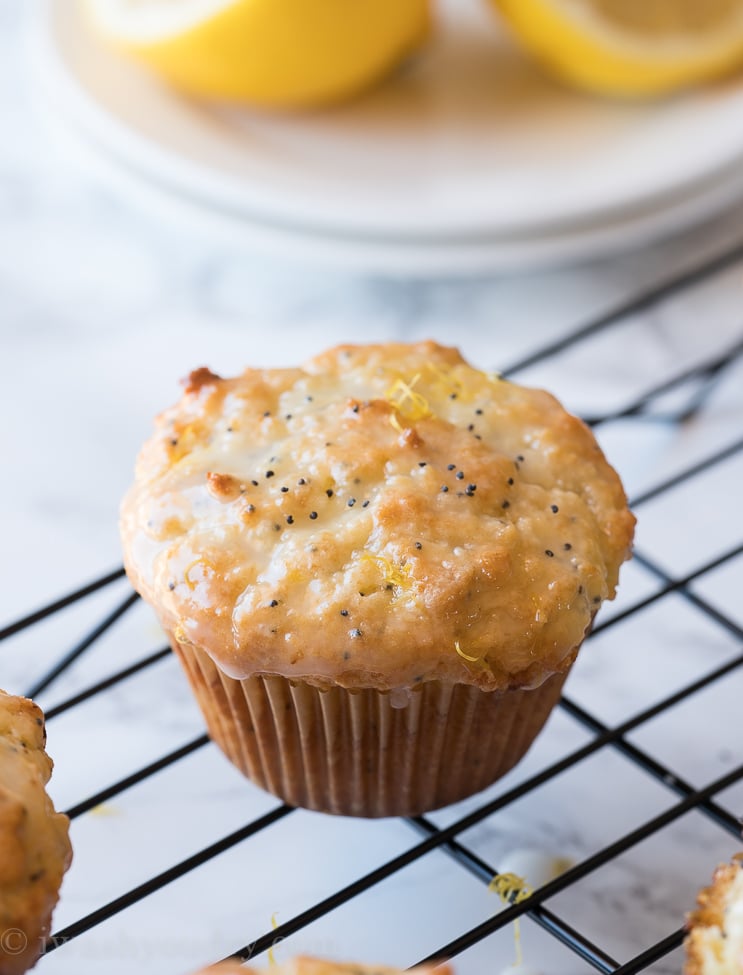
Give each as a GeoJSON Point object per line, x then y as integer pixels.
{"type": "Point", "coordinates": [466, 656]}
{"type": "Point", "coordinates": [407, 401]}
{"type": "Point", "coordinates": [277, 53]}
{"type": "Point", "coordinates": [446, 378]}
{"type": "Point", "coordinates": [181, 443]}
{"type": "Point", "coordinates": [189, 568]}
{"type": "Point", "coordinates": [103, 809]}
{"type": "Point", "coordinates": [398, 576]}
{"type": "Point", "coordinates": [269, 953]}
{"type": "Point", "coordinates": [512, 889]}
{"type": "Point", "coordinates": [630, 49]}
{"type": "Point", "coordinates": [181, 633]}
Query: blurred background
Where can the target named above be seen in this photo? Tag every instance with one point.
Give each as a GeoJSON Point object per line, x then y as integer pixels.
{"type": "Point", "coordinates": [464, 193]}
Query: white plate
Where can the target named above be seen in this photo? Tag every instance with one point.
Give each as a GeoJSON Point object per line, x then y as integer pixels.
{"type": "Point", "coordinates": [468, 152]}
{"type": "Point", "coordinates": [401, 257]}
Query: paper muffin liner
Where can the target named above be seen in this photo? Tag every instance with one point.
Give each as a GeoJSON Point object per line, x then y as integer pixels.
{"type": "Point", "coordinates": [358, 752]}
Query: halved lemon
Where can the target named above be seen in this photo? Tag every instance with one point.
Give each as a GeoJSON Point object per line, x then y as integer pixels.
{"type": "Point", "coordinates": [631, 47]}
{"type": "Point", "coordinates": [277, 53]}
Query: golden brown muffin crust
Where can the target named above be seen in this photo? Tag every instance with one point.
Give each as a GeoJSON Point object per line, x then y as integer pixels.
{"type": "Point", "coordinates": [385, 515]}
{"type": "Point", "coordinates": [714, 943]}
{"type": "Point", "coordinates": [34, 845]}
{"type": "Point", "coordinates": [303, 965]}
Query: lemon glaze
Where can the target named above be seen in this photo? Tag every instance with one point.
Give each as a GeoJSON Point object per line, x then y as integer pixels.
{"type": "Point", "coordinates": [385, 516]}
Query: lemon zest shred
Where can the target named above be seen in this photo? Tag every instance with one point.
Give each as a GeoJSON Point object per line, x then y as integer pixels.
{"type": "Point", "coordinates": [269, 953]}
{"type": "Point", "coordinates": [104, 809]}
{"type": "Point", "coordinates": [512, 889]}
{"type": "Point", "coordinates": [396, 423]}
{"type": "Point", "coordinates": [408, 402]}
{"type": "Point", "coordinates": [466, 656]}
{"type": "Point", "coordinates": [181, 634]}
{"type": "Point", "coordinates": [445, 377]}
{"type": "Point", "coordinates": [394, 575]}
{"type": "Point", "coordinates": [191, 565]}
{"type": "Point", "coordinates": [186, 440]}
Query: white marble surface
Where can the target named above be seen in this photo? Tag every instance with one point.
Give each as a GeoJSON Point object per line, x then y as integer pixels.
{"type": "Point", "coordinates": [105, 304]}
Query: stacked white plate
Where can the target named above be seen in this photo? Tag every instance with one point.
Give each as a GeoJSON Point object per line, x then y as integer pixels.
{"type": "Point", "coordinates": [468, 160]}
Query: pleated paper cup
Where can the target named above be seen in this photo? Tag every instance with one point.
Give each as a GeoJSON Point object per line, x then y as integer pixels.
{"type": "Point", "coordinates": [358, 752]}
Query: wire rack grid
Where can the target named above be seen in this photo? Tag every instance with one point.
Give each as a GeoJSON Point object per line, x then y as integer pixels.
{"type": "Point", "coordinates": [637, 780]}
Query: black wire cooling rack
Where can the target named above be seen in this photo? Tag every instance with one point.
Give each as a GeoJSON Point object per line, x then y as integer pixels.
{"type": "Point", "coordinates": [695, 400]}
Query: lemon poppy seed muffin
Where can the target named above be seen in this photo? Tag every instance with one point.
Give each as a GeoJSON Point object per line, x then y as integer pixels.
{"type": "Point", "coordinates": [714, 942]}
{"type": "Point", "coordinates": [377, 569]}
{"type": "Point", "coordinates": [35, 847]}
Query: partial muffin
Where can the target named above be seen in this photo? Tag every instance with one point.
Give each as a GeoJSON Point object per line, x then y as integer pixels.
{"type": "Point", "coordinates": [34, 843]}
{"type": "Point", "coordinates": [714, 943]}
{"type": "Point", "coordinates": [376, 569]}
{"type": "Point", "coordinates": [320, 966]}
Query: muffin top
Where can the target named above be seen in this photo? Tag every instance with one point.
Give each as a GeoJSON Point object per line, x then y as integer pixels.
{"type": "Point", "coordinates": [35, 847]}
{"type": "Point", "coordinates": [304, 965]}
{"type": "Point", "coordinates": [383, 516]}
{"type": "Point", "coordinates": [714, 943]}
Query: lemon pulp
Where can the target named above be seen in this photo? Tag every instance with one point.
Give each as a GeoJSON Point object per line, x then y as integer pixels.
{"type": "Point", "coordinates": [631, 47]}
